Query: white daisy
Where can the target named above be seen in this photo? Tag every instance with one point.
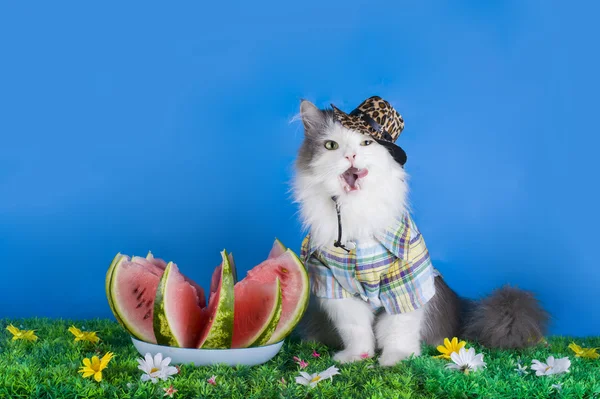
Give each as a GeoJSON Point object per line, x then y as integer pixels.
{"type": "Point", "coordinates": [314, 379]}
{"type": "Point", "coordinates": [156, 368]}
{"type": "Point", "coordinates": [466, 360]}
{"type": "Point", "coordinates": [552, 366]}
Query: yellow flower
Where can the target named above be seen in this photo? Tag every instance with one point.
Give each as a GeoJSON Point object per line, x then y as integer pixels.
{"type": "Point", "coordinates": [449, 347]}
{"type": "Point", "coordinates": [589, 353]}
{"type": "Point", "coordinates": [95, 366]}
{"type": "Point", "coordinates": [84, 335]}
{"type": "Point", "coordinates": [27, 335]}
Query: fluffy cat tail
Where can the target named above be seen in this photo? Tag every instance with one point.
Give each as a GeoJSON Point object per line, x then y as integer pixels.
{"type": "Point", "coordinates": [509, 318]}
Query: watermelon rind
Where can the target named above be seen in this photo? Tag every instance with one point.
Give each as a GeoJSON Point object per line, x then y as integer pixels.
{"type": "Point", "coordinates": [129, 327]}
{"type": "Point", "coordinates": [162, 329]}
{"type": "Point", "coordinates": [274, 320]}
{"type": "Point", "coordinates": [286, 329]}
{"type": "Point", "coordinates": [107, 285]}
{"type": "Point", "coordinates": [221, 330]}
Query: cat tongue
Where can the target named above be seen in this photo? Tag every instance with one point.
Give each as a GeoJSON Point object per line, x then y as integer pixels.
{"type": "Point", "coordinates": [353, 174]}
{"type": "Point", "coordinates": [360, 173]}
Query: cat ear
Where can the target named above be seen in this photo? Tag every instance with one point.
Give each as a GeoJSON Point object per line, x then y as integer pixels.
{"type": "Point", "coordinates": [312, 117]}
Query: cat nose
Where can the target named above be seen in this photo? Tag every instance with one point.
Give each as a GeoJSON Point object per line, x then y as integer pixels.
{"type": "Point", "coordinates": [351, 158]}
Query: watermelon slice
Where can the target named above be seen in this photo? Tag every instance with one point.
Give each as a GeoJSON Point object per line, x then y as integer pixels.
{"type": "Point", "coordinates": [217, 317]}
{"type": "Point", "coordinates": [177, 314]}
{"type": "Point", "coordinates": [277, 250]}
{"type": "Point", "coordinates": [132, 289]}
{"type": "Point", "coordinates": [257, 311]}
{"type": "Point", "coordinates": [294, 288]}
{"type": "Point", "coordinates": [121, 277]}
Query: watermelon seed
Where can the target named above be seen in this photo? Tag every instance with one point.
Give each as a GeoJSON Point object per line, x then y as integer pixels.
{"type": "Point", "coordinates": [147, 314]}
{"type": "Point", "coordinates": [135, 291]}
{"type": "Point", "coordinates": [141, 293]}
{"type": "Point", "coordinates": [283, 269]}
{"type": "Point", "coordinates": [140, 304]}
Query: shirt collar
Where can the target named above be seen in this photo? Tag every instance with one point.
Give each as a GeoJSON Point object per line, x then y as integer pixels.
{"type": "Point", "coordinates": [395, 238]}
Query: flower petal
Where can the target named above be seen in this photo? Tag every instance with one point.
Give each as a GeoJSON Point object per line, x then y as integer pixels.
{"type": "Point", "coordinates": [330, 372]}
{"type": "Point", "coordinates": [165, 362]}
{"type": "Point", "coordinates": [141, 362]}
{"type": "Point", "coordinates": [302, 380]}
{"type": "Point", "coordinates": [149, 360]}
{"type": "Point", "coordinates": [157, 360]}
{"type": "Point", "coordinates": [455, 357]}
{"type": "Point", "coordinates": [306, 375]}
{"type": "Point", "coordinates": [105, 359]}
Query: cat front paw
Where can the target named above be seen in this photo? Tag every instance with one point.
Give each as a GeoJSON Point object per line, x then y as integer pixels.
{"type": "Point", "coordinates": [390, 358]}
{"type": "Point", "coordinates": [349, 356]}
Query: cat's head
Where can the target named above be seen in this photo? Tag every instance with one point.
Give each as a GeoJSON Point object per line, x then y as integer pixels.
{"type": "Point", "coordinates": [336, 161]}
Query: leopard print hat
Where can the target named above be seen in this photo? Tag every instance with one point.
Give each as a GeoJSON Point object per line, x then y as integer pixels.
{"type": "Point", "coordinates": [375, 117]}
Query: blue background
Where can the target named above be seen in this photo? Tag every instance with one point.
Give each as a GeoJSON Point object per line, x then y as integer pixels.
{"type": "Point", "coordinates": [137, 127]}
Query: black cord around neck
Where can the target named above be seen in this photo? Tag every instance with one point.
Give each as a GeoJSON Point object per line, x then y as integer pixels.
{"type": "Point", "coordinates": [338, 242]}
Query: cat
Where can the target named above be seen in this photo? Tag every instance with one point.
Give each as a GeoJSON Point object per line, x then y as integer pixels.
{"type": "Point", "coordinates": [375, 195]}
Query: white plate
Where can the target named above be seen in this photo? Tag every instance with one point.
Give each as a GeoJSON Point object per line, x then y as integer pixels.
{"type": "Point", "coordinates": [209, 357]}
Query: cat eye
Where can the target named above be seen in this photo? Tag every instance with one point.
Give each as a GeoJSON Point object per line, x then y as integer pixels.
{"type": "Point", "coordinates": [366, 142]}
{"type": "Point", "coordinates": [331, 145]}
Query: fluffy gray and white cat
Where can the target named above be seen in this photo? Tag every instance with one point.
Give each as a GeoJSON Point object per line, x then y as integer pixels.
{"type": "Point", "coordinates": [508, 318]}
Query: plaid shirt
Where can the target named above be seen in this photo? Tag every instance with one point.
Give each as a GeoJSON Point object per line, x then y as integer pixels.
{"type": "Point", "coordinates": [396, 273]}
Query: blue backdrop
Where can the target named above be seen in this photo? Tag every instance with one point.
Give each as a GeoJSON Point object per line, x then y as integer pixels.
{"type": "Point", "coordinates": [137, 127]}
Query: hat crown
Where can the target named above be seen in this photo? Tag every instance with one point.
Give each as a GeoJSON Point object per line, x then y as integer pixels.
{"type": "Point", "coordinates": [375, 117]}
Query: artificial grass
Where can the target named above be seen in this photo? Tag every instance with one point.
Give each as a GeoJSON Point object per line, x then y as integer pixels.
{"type": "Point", "coordinates": [48, 368]}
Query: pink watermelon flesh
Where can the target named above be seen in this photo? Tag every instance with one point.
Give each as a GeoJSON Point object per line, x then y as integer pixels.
{"type": "Point", "coordinates": [215, 280]}
{"type": "Point", "coordinates": [150, 266]}
{"type": "Point", "coordinates": [254, 301]}
{"type": "Point", "coordinates": [293, 285]}
{"type": "Point", "coordinates": [156, 261]}
{"type": "Point", "coordinates": [209, 311]}
{"type": "Point", "coordinates": [157, 266]}
{"type": "Point", "coordinates": [277, 250]}
{"type": "Point", "coordinates": [182, 309]}
{"type": "Point", "coordinates": [133, 292]}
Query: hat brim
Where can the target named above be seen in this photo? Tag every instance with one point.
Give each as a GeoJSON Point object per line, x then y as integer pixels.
{"type": "Point", "coordinates": [396, 151]}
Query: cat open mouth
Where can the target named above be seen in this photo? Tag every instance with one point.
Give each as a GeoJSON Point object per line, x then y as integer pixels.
{"type": "Point", "coordinates": [350, 179]}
